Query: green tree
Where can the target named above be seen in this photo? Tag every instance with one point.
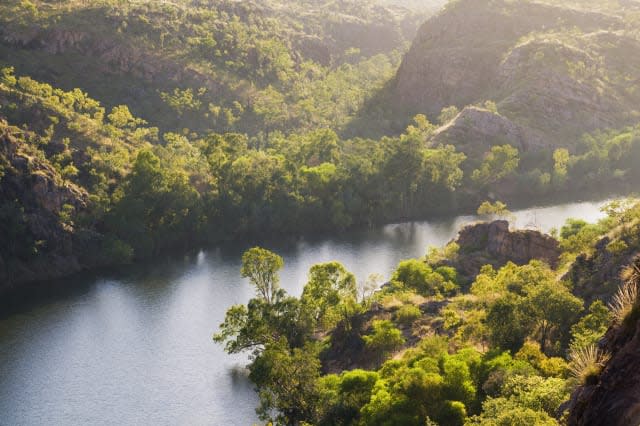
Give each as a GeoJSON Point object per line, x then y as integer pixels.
{"type": "Point", "coordinates": [287, 382]}
{"type": "Point", "coordinates": [261, 266]}
{"type": "Point", "coordinates": [499, 163]}
{"type": "Point", "coordinates": [327, 294]}
{"type": "Point", "coordinates": [447, 114]}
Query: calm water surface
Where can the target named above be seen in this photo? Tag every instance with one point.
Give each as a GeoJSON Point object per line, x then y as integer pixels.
{"type": "Point", "coordinates": [134, 347]}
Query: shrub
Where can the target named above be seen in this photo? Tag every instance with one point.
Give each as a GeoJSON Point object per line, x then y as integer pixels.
{"type": "Point", "coordinates": [407, 314]}
{"type": "Point", "coordinates": [385, 338]}
{"type": "Point", "coordinates": [586, 363]}
{"type": "Point", "coordinates": [624, 301]}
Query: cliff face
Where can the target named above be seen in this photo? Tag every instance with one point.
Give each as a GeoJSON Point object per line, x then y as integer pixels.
{"type": "Point", "coordinates": [475, 130]}
{"type": "Point", "coordinates": [615, 398]}
{"type": "Point", "coordinates": [551, 84]}
{"type": "Point", "coordinates": [493, 243]}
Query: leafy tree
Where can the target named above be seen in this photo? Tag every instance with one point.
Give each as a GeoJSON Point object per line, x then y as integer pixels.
{"type": "Point", "coordinates": [329, 288]}
{"type": "Point", "coordinates": [447, 114]}
{"type": "Point", "coordinates": [498, 209]}
{"type": "Point", "coordinates": [288, 383]}
{"type": "Point", "coordinates": [499, 163]}
{"type": "Point", "coordinates": [591, 327]}
{"type": "Point", "coordinates": [261, 267]}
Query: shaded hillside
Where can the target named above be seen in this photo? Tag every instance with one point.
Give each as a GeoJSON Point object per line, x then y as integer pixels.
{"type": "Point", "coordinates": [38, 208]}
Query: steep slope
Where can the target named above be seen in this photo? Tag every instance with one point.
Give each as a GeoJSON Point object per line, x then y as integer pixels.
{"type": "Point", "coordinates": [554, 70]}
{"type": "Point", "coordinates": [613, 397]}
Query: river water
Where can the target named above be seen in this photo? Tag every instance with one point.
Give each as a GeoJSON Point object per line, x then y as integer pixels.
{"type": "Point", "coordinates": [134, 347]}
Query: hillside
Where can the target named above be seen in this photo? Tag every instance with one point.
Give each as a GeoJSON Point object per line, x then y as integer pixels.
{"type": "Point", "coordinates": [224, 65]}
{"type": "Point", "coordinates": [554, 70]}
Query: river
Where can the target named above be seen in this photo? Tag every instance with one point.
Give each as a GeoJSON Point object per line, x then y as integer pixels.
{"type": "Point", "coordinates": [134, 347]}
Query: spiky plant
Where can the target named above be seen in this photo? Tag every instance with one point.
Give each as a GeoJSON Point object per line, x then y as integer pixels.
{"type": "Point", "coordinates": [631, 272]}
{"type": "Point", "coordinates": [624, 300]}
{"type": "Point", "coordinates": [586, 363]}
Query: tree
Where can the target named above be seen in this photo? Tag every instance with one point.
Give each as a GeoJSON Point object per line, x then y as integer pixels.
{"type": "Point", "coordinates": [447, 114]}
{"type": "Point", "coordinates": [419, 276]}
{"type": "Point", "coordinates": [329, 289]}
{"type": "Point", "coordinates": [261, 266]}
{"type": "Point", "coordinates": [498, 209]}
{"type": "Point", "coordinates": [591, 327]}
{"type": "Point", "coordinates": [499, 163]}
{"type": "Point", "coordinates": [560, 162]}
{"type": "Point", "coordinates": [287, 382]}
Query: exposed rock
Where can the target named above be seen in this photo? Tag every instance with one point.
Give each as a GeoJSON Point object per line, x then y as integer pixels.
{"type": "Point", "coordinates": [456, 57]}
{"type": "Point", "coordinates": [475, 130]}
{"type": "Point", "coordinates": [614, 398]}
{"type": "Point", "coordinates": [597, 275]}
{"type": "Point", "coordinates": [493, 243]}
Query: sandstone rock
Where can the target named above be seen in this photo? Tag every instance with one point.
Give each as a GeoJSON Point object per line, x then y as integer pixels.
{"type": "Point", "coordinates": [549, 89]}
{"type": "Point", "coordinates": [41, 193]}
{"type": "Point", "coordinates": [475, 130]}
{"type": "Point", "coordinates": [493, 243]}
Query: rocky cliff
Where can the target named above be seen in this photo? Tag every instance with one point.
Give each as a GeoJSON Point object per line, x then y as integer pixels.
{"type": "Point", "coordinates": [475, 130]}
{"type": "Point", "coordinates": [493, 243]}
{"type": "Point", "coordinates": [613, 398]}
{"type": "Point", "coordinates": [597, 275]}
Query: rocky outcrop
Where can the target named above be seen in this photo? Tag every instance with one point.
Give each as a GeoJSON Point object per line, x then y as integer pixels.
{"type": "Point", "coordinates": [475, 130]}
{"type": "Point", "coordinates": [456, 57]}
{"type": "Point", "coordinates": [493, 243]}
{"type": "Point", "coordinates": [613, 398]}
{"type": "Point", "coordinates": [596, 275]}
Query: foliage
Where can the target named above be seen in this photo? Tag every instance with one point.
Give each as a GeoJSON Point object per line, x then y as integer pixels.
{"type": "Point", "coordinates": [591, 327]}
{"type": "Point", "coordinates": [498, 209]}
{"type": "Point", "coordinates": [420, 277]}
{"type": "Point", "coordinates": [407, 314]}
{"type": "Point", "coordinates": [499, 163]}
{"type": "Point", "coordinates": [261, 267]}
{"type": "Point", "coordinates": [384, 339]}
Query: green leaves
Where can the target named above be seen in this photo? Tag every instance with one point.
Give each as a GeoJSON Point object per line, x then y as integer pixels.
{"type": "Point", "coordinates": [261, 266]}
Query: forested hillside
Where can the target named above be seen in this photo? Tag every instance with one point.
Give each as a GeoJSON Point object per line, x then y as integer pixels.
{"type": "Point", "coordinates": [251, 66]}
{"type": "Point", "coordinates": [132, 128]}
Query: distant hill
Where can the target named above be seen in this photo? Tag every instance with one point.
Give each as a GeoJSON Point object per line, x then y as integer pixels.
{"type": "Point", "coordinates": [555, 70]}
